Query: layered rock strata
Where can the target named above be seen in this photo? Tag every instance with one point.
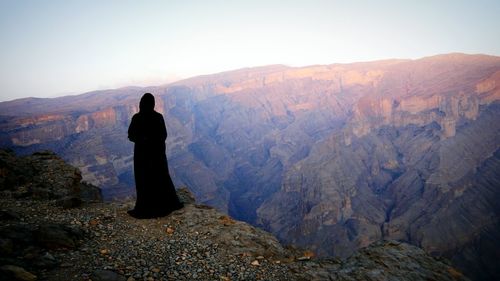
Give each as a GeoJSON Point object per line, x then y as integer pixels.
{"type": "Point", "coordinates": [331, 157]}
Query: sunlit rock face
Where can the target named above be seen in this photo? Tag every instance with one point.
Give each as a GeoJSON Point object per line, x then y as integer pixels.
{"type": "Point", "coordinates": [330, 157]}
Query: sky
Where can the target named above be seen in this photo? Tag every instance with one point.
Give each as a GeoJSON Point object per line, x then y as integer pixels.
{"type": "Point", "coordinates": [53, 48]}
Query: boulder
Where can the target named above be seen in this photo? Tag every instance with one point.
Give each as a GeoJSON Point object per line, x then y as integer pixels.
{"type": "Point", "coordinates": [44, 175]}
{"type": "Point", "coordinates": [16, 273]}
{"type": "Point", "coordinates": [54, 236]}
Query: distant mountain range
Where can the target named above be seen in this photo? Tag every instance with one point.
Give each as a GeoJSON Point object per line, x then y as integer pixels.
{"type": "Point", "coordinates": [332, 157]}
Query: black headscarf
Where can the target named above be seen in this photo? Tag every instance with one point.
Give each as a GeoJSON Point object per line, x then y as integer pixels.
{"type": "Point", "coordinates": [147, 103]}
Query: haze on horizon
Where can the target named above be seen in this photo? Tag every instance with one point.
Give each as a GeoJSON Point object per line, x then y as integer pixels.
{"type": "Point", "coordinates": [53, 48]}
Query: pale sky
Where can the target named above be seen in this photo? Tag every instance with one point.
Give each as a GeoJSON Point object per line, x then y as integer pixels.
{"type": "Point", "coordinates": [52, 48]}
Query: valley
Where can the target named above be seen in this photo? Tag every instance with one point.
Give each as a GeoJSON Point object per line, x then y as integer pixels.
{"type": "Point", "coordinates": [330, 157]}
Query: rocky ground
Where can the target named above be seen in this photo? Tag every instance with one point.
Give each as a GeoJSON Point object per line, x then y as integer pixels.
{"type": "Point", "coordinates": [42, 241]}
{"type": "Point", "coordinates": [101, 242]}
{"type": "Point", "coordinates": [69, 236]}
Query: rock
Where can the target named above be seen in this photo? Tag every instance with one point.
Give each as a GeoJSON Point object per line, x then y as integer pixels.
{"type": "Point", "coordinates": [53, 236]}
{"type": "Point", "coordinates": [44, 175]}
{"type": "Point", "coordinates": [20, 234]}
{"type": "Point", "coordinates": [107, 275]}
{"type": "Point", "coordinates": [185, 196]}
{"type": "Point", "coordinates": [17, 273]}
{"type": "Point", "coordinates": [69, 202]}
{"type": "Point", "coordinates": [6, 215]}
{"type": "Point", "coordinates": [386, 260]}
{"type": "Point", "coordinates": [225, 220]}
{"type": "Point", "coordinates": [90, 193]}
{"type": "Point", "coordinates": [232, 237]}
{"type": "Point", "coordinates": [46, 261]}
{"type": "Point", "coordinates": [169, 230]}
{"type": "Point", "coordinates": [66, 265]}
{"type": "Point", "coordinates": [6, 247]}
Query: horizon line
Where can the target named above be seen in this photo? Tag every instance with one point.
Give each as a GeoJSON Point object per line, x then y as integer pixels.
{"type": "Point", "coordinates": [61, 95]}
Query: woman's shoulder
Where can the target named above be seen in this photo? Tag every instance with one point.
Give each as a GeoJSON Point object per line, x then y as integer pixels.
{"type": "Point", "coordinates": [136, 116]}
{"type": "Point", "coordinates": [157, 114]}
{"type": "Point", "coordinates": [147, 116]}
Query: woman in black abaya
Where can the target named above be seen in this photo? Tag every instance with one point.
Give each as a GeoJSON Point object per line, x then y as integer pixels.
{"type": "Point", "coordinates": [156, 196]}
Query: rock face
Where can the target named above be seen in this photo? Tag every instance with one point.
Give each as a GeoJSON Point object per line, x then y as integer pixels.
{"type": "Point", "coordinates": [44, 175]}
{"type": "Point", "coordinates": [101, 242]}
{"type": "Point", "coordinates": [330, 157]}
{"type": "Point", "coordinates": [376, 261]}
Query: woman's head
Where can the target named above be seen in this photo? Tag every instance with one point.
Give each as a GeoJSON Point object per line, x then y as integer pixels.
{"type": "Point", "coordinates": [147, 103]}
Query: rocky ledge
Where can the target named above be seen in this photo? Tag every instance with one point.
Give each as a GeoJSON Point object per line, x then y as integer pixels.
{"type": "Point", "coordinates": [40, 239]}
{"type": "Point", "coordinates": [44, 175]}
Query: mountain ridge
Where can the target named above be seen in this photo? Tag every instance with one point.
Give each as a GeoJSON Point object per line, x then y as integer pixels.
{"type": "Point", "coordinates": [330, 157]}
{"type": "Point", "coordinates": [5, 105]}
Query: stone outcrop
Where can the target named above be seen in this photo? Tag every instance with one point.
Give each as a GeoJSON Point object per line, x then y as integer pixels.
{"type": "Point", "coordinates": [44, 175]}
{"type": "Point", "coordinates": [330, 157]}
{"type": "Point", "coordinates": [376, 261]}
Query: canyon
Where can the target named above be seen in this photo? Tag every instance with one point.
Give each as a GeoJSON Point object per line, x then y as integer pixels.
{"type": "Point", "coordinates": [331, 157]}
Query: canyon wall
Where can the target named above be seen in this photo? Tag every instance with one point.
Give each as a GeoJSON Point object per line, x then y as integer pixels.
{"type": "Point", "coordinates": [330, 157]}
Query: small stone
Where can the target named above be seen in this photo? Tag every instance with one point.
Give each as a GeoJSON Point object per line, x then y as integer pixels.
{"type": "Point", "coordinates": [104, 251]}
{"type": "Point", "coordinates": [226, 220]}
{"type": "Point", "coordinates": [155, 269]}
{"type": "Point", "coordinates": [169, 231]}
{"type": "Point", "coordinates": [255, 263]}
{"type": "Point", "coordinates": [309, 254]}
{"type": "Point", "coordinates": [260, 257]}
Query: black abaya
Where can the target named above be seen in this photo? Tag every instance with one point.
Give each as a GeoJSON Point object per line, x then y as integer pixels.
{"type": "Point", "coordinates": [156, 194]}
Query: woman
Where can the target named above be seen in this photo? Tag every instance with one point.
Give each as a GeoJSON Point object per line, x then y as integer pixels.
{"type": "Point", "coordinates": [156, 196]}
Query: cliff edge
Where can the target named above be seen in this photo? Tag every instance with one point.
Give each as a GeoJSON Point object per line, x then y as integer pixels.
{"type": "Point", "coordinates": [43, 239]}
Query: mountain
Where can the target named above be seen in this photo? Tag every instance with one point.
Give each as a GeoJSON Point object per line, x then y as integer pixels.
{"type": "Point", "coordinates": [330, 157]}
{"type": "Point", "coordinates": [100, 241]}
